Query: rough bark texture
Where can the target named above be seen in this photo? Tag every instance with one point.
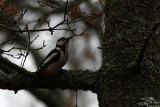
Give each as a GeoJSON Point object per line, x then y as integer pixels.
{"type": "Point", "coordinates": [130, 53]}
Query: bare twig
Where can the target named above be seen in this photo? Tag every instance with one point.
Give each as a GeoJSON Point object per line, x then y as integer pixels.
{"type": "Point", "coordinates": [76, 99]}
{"type": "Point", "coordinates": [21, 16]}
{"type": "Point", "coordinates": [43, 4]}
{"type": "Point", "coordinates": [65, 10]}
{"type": "Point", "coordinates": [34, 39]}
{"type": "Point", "coordinates": [72, 30]}
{"type": "Point", "coordinates": [11, 39]}
{"type": "Point", "coordinates": [42, 46]}
{"type": "Point", "coordinates": [37, 24]}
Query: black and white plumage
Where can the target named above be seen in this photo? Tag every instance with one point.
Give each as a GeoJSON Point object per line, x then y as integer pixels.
{"type": "Point", "coordinates": [56, 59]}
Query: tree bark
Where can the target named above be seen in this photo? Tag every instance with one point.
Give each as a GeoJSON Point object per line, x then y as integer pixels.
{"type": "Point", "coordinates": [125, 90]}
{"type": "Point", "coordinates": [23, 79]}
{"type": "Point", "coordinates": [130, 68]}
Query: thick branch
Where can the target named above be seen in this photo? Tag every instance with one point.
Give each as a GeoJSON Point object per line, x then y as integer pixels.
{"type": "Point", "coordinates": [74, 80]}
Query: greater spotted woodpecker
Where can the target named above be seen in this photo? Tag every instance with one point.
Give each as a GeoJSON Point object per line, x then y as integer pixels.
{"type": "Point", "coordinates": [56, 59]}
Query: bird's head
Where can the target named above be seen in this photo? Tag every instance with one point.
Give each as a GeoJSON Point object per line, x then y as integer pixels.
{"type": "Point", "coordinates": [63, 42]}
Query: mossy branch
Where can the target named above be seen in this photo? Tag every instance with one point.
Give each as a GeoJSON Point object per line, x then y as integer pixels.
{"type": "Point", "coordinates": [64, 79]}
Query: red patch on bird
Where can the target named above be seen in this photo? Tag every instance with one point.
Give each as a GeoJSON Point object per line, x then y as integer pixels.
{"type": "Point", "coordinates": [94, 16]}
{"type": "Point", "coordinates": [42, 72]}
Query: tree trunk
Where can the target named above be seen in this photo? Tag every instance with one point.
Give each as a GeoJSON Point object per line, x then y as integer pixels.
{"type": "Point", "coordinates": [124, 91]}
{"type": "Point", "coordinates": [130, 68]}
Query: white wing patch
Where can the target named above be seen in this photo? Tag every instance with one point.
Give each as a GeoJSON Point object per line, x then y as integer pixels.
{"type": "Point", "coordinates": [50, 58]}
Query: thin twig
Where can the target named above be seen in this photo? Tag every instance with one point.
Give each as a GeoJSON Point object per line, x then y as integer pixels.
{"type": "Point", "coordinates": [41, 47]}
{"type": "Point", "coordinates": [34, 39]}
{"type": "Point", "coordinates": [76, 99]}
{"type": "Point", "coordinates": [65, 10]}
{"type": "Point", "coordinates": [43, 4]}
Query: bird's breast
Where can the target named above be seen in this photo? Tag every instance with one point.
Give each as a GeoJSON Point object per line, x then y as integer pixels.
{"type": "Point", "coordinates": [54, 67]}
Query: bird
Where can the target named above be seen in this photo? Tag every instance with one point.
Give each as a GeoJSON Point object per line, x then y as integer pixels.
{"type": "Point", "coordinates": [56, 59]}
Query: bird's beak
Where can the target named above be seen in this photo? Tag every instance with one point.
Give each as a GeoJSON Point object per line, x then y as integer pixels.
{"type": "Point", "coordinates": [69, 38]}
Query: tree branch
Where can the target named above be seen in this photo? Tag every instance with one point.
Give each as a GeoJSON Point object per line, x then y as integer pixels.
{"type": "Point", "coordinates": [74, 80]}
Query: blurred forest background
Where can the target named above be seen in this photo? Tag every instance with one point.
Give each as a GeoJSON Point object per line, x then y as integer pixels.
{"type": "Point", "coordinates": [42, 14]}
